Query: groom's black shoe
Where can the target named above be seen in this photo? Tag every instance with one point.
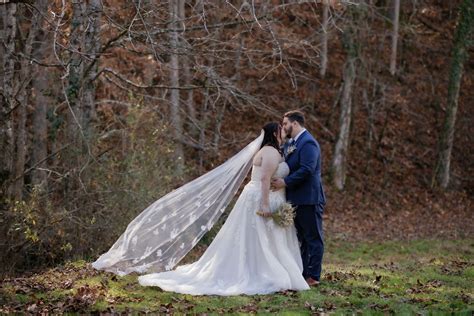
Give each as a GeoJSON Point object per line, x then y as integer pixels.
{"type": "Point", "coordinates": [312, 282]}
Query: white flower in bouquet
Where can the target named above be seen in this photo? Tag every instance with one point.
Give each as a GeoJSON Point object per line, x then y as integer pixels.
{"type": "Point", "coordinates": [283, 216]}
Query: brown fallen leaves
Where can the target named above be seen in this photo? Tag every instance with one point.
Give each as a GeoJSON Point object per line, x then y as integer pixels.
{"type": "Point", "coordinates": [417, 215]}
{"type": "Point", "coordinates": [424, 287]}
{"type": "Point", "coordinates": [455, 267]}
{"type": "Point", "coordinates": [85, 297]}
{"type": "Point", "coordinates": [60, 278]}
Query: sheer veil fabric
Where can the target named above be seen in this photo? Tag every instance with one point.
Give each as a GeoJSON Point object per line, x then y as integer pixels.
{"type": "Point", "coordinates": [249, 255]}
{"type": "Point", "coordinates": [159, 237]}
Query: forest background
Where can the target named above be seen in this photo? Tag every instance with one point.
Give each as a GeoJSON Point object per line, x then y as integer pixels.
{"type": "Point", "coordinates": [108, 105]}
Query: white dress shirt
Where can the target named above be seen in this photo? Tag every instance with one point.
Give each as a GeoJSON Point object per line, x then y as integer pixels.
{"type": "Point", "coordinates": [297, 136]}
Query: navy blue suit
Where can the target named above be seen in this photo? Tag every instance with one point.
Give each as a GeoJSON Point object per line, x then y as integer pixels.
{"type": "Point", "coordinates": [304, 190]}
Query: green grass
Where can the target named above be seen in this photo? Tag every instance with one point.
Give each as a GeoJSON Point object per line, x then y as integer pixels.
{"type": "Point", "coordinates": [368, 278]}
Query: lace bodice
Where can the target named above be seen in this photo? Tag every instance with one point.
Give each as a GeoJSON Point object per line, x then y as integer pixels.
{"type": "Point", "coordinates": [282, 171]}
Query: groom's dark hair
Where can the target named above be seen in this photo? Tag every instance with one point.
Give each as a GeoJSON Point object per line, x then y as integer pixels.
{"type": "Point", "coordinates": [295, 116]}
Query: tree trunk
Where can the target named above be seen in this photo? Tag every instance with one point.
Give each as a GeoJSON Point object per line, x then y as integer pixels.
{"type": "Point", "coordinates": [73, 89]}
{"type": "Point", "coordinates": [393, 58]}
{"type": "Point", "coordinates": [189, 94]}
{"type": "Point", "coordinates": [41, 81]}
{"type": "Point", "coordinates": [324, 49]}
{"type": "Point", "coordinates": [204, 116]}
{"type": "Point", "coordinates": [339, 163]}
{"type": "Point", "coordinates": [92, 49]}
{"type": "Point", "coordinates": [176, 123]}
{"type": "Point", "coordinates": [462, 37]}
{"type": "Point", "coordinates": [6, 117]}
{"type": "Point", "coordinates": [75, 71]}
{"type": "Point", "coordinates": [23, 100]}
{"type": "Point", "coordinates": [217, 132]}
{"type": "Point", "coordinates": [187, 73]}
{"type": "Point", "coordinates": [40, 131]}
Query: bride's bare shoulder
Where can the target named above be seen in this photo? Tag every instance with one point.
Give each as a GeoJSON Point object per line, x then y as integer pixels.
{"type": "Point", "coordinates": [269, 152]}
{"type": "Point", "coordinates": [266, 152]}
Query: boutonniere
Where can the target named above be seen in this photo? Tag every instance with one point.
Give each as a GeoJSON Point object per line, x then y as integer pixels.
{"type": "Point", "coordinates": [290, 149]}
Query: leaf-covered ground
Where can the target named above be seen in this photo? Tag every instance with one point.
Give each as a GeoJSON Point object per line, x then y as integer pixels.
{"type": "Point", "coordinates": [424, 276]}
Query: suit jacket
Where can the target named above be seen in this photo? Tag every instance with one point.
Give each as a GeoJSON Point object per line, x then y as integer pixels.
{"type": "Point", "coordinates": [303, 184]}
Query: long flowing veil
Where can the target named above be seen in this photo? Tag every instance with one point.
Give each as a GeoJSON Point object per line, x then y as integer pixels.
{"type": "Point", "coordinates": [159, 237]}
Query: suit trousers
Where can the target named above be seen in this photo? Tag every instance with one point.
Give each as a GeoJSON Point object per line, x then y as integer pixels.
{"type": "Point", "coordinates": [309, 227]}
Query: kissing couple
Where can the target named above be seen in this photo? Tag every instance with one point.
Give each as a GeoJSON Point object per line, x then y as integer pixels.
{"type": "Point", "coordinates": [251, 253]}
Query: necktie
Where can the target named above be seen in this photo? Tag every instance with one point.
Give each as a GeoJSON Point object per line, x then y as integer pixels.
{"type": "Point", "coordinates": [290, 143]}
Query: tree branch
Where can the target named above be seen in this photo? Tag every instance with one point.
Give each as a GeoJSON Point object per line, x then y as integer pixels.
{"type": "Point", "coordinates": [141, 86]}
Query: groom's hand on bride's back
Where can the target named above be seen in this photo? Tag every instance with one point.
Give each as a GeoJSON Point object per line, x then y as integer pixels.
{"type": "Point", "coordinates": [277, 184]}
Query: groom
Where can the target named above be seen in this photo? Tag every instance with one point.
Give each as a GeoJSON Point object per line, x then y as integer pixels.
{"type": "Point", "coordinates": [304, 190]}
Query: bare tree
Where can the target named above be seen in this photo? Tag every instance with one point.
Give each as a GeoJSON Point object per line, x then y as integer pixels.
{"type": "Point", "coordinates": [339, 162]}
{"type": "Point", "coordinates": [186, 64]}
{"type": "Point", "coordinates": [324, 50]}
{"type": "Point", "coordinates": [74, 71]}
{"type": "Point", "coordinates": [40, 84]}
{"type": "Point", "coordinates": [396, 17]}
{"type": "Point", "coordinates": [462, 40]}
{"type": "Point", "coordinates": [22, 87]}
{"type": "Point", "coordinates": [7, 106]}
{"type": "Point", "coordinates": [176, 123]}
{"type": "Point", "coordinates": [92, 45]}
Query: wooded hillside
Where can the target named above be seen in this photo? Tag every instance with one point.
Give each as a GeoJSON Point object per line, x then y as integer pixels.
{"type": "Point", "coordinates": [107, 105]}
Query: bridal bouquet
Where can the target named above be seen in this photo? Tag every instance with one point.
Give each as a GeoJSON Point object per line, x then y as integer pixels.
{"type": "Point", "coordinates": [284, 215]}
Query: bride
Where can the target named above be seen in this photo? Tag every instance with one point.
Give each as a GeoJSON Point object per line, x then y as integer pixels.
{"type": "Point", "coordinates": [249, 255]}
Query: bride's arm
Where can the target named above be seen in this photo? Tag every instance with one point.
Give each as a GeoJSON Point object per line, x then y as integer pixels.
{"type": "Point", "coordinates": [270, 161]}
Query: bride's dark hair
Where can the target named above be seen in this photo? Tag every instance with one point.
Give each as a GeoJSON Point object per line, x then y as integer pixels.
{"type": "Point", "coordinates": [269, 138]}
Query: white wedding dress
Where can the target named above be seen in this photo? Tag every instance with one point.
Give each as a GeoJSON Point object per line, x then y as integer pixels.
{"type": "Point", "coordinates": [249, 255]}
